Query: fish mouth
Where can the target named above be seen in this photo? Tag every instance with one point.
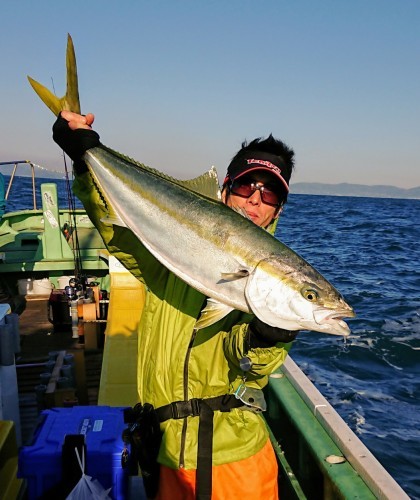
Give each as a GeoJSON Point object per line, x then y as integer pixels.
{"type": "Point", "coordinates": [333, 320]}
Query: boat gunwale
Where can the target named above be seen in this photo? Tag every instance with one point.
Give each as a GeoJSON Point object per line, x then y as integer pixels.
{"type": "Point", "coordinates": [367, 466]}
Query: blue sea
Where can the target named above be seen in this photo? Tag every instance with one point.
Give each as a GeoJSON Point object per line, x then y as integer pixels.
{"type": "Point", "coordinates": [369, 248]}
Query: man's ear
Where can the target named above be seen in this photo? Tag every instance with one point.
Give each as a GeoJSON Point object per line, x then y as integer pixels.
{"type": "Point", "coordinates": [278, 212]}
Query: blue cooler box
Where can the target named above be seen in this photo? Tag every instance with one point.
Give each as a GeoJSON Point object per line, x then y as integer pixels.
{"type": "Point", "coordinates": [41, 463]}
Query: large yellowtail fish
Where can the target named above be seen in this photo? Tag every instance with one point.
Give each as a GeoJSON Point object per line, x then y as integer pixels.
{"type": "Point", "coordinates": [228, 258]}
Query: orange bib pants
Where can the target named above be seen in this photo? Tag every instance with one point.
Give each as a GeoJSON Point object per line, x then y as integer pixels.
{"type": "Point", "coordinates": [248, 479]}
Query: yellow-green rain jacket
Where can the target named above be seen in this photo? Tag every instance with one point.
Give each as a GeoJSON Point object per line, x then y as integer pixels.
{"type": "Point", "coordinates": [174, 364]}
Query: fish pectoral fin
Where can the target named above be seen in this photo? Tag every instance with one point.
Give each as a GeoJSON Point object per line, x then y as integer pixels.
{"type": "Point", "coordinates": [240, 273]}
{"type": "Point", "coordinates": [213, 312]}
{"type": "Point", "coordinates": [113, 221]}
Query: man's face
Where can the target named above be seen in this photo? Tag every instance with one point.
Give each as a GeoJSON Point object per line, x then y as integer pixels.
{"type": "Point", "coordinates": [259, 212]}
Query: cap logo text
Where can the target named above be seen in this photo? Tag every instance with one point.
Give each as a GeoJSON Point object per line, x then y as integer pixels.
{"type": "Point", "coordinates": [265, 163]}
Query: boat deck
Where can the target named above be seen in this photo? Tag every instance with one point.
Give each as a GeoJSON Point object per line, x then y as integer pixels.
{"type": "Point", "coordinates": [37, 333]}
{"type": "Point", "coordinates": [38, 339]}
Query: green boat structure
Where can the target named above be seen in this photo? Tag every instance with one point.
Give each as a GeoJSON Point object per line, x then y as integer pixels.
{"type": "Point", "coordinates": [319, 456]}
{"type": "Point", "coordinates": [42, 241]}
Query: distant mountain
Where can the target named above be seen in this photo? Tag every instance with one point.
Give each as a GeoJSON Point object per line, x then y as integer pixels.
{"type": "Point", "coordinates": [345, 189]}
{"type": "Point", "coordinates": [317, 188]}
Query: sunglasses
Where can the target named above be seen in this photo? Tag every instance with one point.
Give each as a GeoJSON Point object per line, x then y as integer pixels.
{"type": "Point", "coordinates": [246, 188]}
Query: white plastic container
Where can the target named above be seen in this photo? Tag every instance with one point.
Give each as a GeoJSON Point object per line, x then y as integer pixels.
{"type": "Point", "coordinates": [42, 287]}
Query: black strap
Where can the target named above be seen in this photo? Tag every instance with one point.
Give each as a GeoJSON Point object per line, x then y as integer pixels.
{"type": "Point", "coordinates": [204, 409]}
{"type": "Point", "coordinates": [204, 453]}
{"type": "Point", "coordinates": [191, 408]}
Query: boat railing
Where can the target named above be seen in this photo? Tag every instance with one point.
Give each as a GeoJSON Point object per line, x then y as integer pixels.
{"type": "Point", "coordinates": [301, 403]}
{"type": "Point", "coordinates": [15, 164]}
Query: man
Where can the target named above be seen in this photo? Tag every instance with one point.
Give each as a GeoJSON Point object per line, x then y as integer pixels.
{"type": "Point", "coordinates": [214, 443]}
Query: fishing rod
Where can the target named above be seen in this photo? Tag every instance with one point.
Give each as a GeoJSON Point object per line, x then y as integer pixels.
{"type": "Point", "coordinates": [80, 281]}
{"type": "Point", "coordinates": [78, 264]}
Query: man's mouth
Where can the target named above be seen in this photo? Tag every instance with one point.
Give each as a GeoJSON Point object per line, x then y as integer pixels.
{"type": "Point", "coordinates": [252, 215]}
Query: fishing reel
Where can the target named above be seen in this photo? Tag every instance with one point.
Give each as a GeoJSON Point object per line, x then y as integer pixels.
{"type": "Point", "coordinates": [73, 289]}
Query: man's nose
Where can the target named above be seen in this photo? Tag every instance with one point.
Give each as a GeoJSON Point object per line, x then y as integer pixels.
{"type": "Point", "coordinates": [255, 197]}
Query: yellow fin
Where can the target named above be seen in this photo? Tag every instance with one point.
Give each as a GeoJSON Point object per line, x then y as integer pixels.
{"type": "Point", "coordinates": [241, 273]}
{"type": "Point", "coordinates": [206, 184]}
{"type": "Point", "coordinates": [69, 102]}
{"type": "Point", "coordinates": [113, 221]}
{"type": "Point", "coordinates": [213, 312]}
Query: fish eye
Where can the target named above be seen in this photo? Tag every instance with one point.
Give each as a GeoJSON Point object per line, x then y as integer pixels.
{"type": "Point", "coordinates": [310, 294]}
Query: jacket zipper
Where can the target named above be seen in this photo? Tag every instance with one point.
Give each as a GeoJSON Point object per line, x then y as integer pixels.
{"type": "Point", "coordinates": [185, 421]}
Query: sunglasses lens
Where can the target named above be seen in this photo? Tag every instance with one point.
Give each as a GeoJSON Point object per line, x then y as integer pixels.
{"type": "Point", "coordinates": [244, 190]}
{"type": "Point", "coordinates": [247, 189]}
{"type": "Point", "coordinates": [269, 197]}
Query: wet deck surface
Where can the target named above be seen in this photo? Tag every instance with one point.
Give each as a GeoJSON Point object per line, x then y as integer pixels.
{"type": "Point", "coordinates": [39, 338]}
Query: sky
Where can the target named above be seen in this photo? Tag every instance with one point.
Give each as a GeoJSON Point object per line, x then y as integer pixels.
{"type": "Point", "coordinates": [179, 85]}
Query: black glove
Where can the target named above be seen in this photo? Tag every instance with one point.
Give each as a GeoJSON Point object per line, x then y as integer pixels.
{"type": "Point", "coordinates": [263, 335]}
{"type": "Point", "coordinates": [74, 142]}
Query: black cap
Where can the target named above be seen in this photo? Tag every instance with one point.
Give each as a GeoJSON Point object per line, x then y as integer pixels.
{"type": "Point", "coordinates": [259, 161]}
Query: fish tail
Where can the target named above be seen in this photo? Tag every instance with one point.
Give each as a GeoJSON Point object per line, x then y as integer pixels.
{"type": "Point", "coordinates": [70, 101]}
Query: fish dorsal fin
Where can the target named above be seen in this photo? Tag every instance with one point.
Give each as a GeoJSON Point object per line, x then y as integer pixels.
{"type": "Point", "coordinates": [206, 184]}
{"type": "Point", "coordinates": [213, 312]}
